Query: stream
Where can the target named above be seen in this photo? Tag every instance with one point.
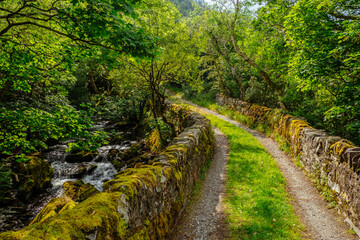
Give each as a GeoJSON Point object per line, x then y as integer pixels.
{"type": "Point", "coordinates": [96, 171]}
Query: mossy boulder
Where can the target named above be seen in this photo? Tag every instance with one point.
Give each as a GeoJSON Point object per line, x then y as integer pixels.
{"type": "Point", "coordinates": [32, 177]}
{"type": "Point", "coordinates": [116, 138]}
{"type": "Point", "coordinates": [79, 191]}
{"type": "Point", "coordinates": [145, 158]}
{"type": "Point", "coordinates": [134, 151]}
{"type": "Point", "coordinates": [54, 207]}
{"type": "Point", "coordinates": [94, 218]}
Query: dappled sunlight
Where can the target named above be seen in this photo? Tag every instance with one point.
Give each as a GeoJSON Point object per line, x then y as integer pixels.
{"type": "Point", "coordinates": [257, 202]}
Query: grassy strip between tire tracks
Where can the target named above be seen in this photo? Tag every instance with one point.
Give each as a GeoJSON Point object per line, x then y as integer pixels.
{"type": "Point", "coordinates": [257, 203]}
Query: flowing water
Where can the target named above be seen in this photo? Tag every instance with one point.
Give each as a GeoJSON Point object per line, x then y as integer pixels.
{"type": "Point", "coordinates": [96, 172]}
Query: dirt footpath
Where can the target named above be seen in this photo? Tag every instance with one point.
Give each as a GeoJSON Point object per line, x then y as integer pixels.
{"type": "Point", "coordinates": [320, 222]}
{"type": "Point", "coordinates": [205, 218]}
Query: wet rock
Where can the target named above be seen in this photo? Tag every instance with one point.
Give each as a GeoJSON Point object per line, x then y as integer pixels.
{"type": "Point", "coordinates": [91, 169]}
{"type": "Point", "coordinates": [129, 157]}
{"type": "Point", "coordinates": [116, 138]}
{"type": "Point", "coordinates": [81, 156]}
{"type": "Point", "coordinates": [113, 154]}
{"type": "Point", "coordinates": [118, 164]}
{"type": "Point", "coordinates": [79, 171]}
{"type": "Point", "coordinates": [99, 158]}
{"type": "Point", "coordinates": [134, 151]}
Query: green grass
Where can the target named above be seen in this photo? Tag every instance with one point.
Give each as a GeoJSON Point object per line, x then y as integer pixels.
{"type": "Point", "coordinates": [257, 202]}
{"type": "Point", "coordinates": [202, 99]}
{"type": "Point", "coordinates": [258, 205]}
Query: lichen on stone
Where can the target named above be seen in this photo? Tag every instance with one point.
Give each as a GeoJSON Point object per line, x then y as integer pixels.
{"type": "Point", "coordinates": [341, 146]}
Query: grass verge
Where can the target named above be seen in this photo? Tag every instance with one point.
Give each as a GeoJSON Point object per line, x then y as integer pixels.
{"type": "Point", "coordinates": [257, 203]}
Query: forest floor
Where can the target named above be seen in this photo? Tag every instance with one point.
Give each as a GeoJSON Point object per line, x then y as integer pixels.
{"type": "Point", "coordinates": [204, 220]}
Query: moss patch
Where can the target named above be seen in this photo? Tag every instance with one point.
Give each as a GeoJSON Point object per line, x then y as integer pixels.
{"type": "Point", "coordinates": [79, 191]}
{"type": "Point", "coordinates": [32, 177]}
{"type": "Point", "coordinates": [96, 214]}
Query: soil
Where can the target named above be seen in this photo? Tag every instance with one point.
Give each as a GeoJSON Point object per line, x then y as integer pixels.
{"type": "Point", "coordinates": [320, 222]}
{"type": "Point", "coordinates": [205, 217]}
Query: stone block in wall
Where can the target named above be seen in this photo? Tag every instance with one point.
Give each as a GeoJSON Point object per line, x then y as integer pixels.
{"type": "Point", "coordinates": [352, 157]}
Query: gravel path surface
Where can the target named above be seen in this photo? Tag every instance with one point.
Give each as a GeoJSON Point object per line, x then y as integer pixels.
{"type": "Point", "coordinates": [205, 218]}
{"type": "Point", "coordinates": [320, 222]}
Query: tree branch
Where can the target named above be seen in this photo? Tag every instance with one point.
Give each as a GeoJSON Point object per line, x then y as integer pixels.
{"type": "Point", "coordinates": [346, 17]}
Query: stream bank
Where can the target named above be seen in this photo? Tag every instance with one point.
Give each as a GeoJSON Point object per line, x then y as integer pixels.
{"type": "Point", "coordinates": [140, 202]}
{"type": "Point", "coordinates": [49, 171]}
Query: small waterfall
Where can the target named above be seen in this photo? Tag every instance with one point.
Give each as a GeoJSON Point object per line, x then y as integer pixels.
{"type": "Point", "coordinates": [96, 171]}
{"type": "Point", "coordinates": [104, 170]}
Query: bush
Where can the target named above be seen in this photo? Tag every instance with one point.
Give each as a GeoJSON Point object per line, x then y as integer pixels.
{"type": "Point", "coordinates": [27, 128]}
{"type": "Point", "coordinates": [117, 108]}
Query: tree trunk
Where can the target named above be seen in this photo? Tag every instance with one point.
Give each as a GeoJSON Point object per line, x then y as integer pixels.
{"type": "Point", "coordinates": [263, 74]}
{"type": "Point", "coordinates": [92, 83]}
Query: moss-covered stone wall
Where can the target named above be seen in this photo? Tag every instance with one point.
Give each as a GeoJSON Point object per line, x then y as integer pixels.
{"type": "Point", "coordinates": [332, 163]}
{"type": "Point", "coordinates": [139, 203]}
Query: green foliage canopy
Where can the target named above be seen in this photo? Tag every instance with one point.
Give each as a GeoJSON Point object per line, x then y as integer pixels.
{"type": "Point", "coordinates": [325, 36]}
{"type": "Point", "coordinates": [37, 37]}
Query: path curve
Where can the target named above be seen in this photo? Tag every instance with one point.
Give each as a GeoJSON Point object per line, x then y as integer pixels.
{"type": "Point", "coordinates": [205, 218]}
{"type": "Point", "coordinates": [320, 222]}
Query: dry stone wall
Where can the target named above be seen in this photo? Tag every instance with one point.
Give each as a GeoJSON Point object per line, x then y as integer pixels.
{"type": "Point", "coordinates": [332, 162]}
{"type": "Point", "coordinates": [139, 203]}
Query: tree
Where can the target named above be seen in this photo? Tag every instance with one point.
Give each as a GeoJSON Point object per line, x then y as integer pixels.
{"type": "Point", "coordinates": [36, 37]}
{"type": "Point", "coordinates": [187, 6]}
{"type": "Point", "coordinates": [41, 42]}
{"type": "Point", "coordinates": [326, 43]}
{"type": "Point", "coordinates": [177, 60]}
{"type": "Point", "coordinates": [234, 21]}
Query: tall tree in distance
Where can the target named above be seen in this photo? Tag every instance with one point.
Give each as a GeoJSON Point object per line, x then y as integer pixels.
{"type": "Point", "coordinates": [187, 6]}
